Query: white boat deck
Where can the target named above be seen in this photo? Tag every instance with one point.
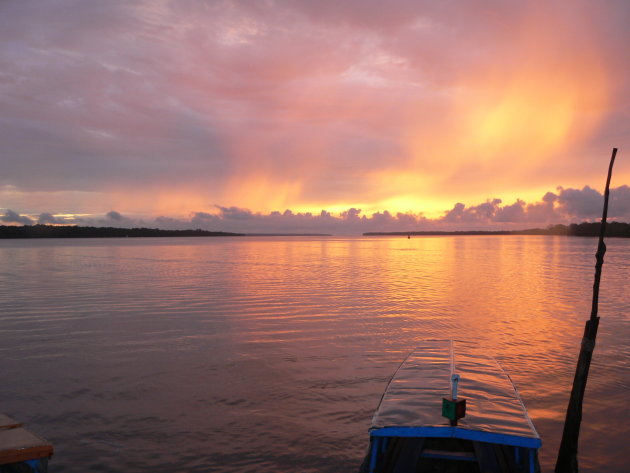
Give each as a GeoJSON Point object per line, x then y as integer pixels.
{"type": "Point", "coordinates": [412, 404]}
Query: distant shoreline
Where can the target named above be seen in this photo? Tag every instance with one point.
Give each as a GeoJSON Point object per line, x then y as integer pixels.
{"type": "Point", "coordinates": [59, 231]}
{"type": "Point", "coordinates": [73, 231]}
{"type": "Point", "coordinates": [288, 234]}
{"type": "Point", "coordinates": [613, 229]}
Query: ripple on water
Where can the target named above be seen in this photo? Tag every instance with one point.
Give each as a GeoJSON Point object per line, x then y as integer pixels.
{"type": "Point", "coordinates": [270, 355]}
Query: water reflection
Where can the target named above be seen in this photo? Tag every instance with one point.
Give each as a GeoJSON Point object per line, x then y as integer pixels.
{"type": "Point", "coordinates": [270, 354]}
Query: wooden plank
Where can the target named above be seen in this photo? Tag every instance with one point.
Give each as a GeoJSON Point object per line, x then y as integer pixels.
{"type": "Point", "coordinates": [452, 455]}
{"type": "Point", "coordinates": [34, 453]}
{"type": "Point", "coordinates": [19, 444]}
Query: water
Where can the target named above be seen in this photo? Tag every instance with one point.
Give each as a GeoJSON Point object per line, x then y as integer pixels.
{"type": "Point", "coordinates": [271, 354]}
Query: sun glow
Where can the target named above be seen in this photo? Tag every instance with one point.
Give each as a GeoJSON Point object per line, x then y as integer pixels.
{"type": "Point", "coordinates": [517, 124]}
{"type": "Point", "coordinates": [535, 117]}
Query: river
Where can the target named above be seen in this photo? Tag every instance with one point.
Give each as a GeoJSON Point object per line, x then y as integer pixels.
{"type": "Point", "coordinates": [270, 354]}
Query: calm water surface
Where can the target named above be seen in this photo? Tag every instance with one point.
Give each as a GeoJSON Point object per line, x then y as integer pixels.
{"type": "Point", "coordinates": [271, 354]}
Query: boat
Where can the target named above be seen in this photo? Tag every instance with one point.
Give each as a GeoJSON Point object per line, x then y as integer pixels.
{"type": "Point", "coordinates": [486, 428]}
{"type": "Point", "coordinates": [22, 451]}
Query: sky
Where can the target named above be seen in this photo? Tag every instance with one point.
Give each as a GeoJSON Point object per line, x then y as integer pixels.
{"type": "Point", "coordinates": [301, 115]}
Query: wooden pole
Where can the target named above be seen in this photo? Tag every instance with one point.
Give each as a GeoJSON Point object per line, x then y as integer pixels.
{"type": "Point", "coordinates": [567, 455]}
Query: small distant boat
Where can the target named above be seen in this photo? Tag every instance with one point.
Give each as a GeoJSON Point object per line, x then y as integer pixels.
{"type": "Point", "coordinates": [22, 451]}
{"type": "Point", "coordinates": [409, 433]}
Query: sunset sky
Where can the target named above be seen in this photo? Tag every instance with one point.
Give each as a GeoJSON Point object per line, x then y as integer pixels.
{"type": "Point", "coordinates": [300, 115]}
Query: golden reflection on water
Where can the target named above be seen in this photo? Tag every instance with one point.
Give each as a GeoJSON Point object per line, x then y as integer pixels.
{"type": "Point", "coordinates": [524, 298]}
{"type": "Point", "coordinates": [486, 288]}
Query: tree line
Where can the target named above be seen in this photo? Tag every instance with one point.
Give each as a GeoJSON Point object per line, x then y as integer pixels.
{"type": "Point", "coordinates": [585, 229]}
{"type": "Point", "coordinates": [63, 231]}
{"type": "Point", "coordinates": [613, 229]}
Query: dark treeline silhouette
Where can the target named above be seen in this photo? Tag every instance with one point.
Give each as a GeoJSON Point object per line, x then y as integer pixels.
{"type": "Point", "coordinates": [52, 231]}
{"type": "Point", "coordinates": [613, 229]}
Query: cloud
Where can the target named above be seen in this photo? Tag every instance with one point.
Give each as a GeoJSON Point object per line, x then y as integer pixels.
{"type": "Point", "coordinates": [566, 206]}
{"type": "Point", "coordinates": [13, 217]}
{"type": "Point", "coordinates": [234, 213]}
{"type": "Point", "coordinates": [582, 203]}
{"type": "Point", "coordinates": [619, 202]}
{"type": "Point", "coordinates": [511, 213]}
{"type": "Point", "coordinates": [585, 203]}
{"type": "Point", "coordinates": [46, 218]}
{"type": "Point", "coordinates": [307, 105]}
{"type": "Point", "coordinates": [479, 213]}
{"type": "Point", "coordinates": [113, 215]}
{"type": "Point", "coordinates": [588, 203]}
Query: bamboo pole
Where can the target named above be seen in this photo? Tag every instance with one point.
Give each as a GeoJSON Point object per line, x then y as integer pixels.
{"type": "Point", "coordinates": [567, 455]}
